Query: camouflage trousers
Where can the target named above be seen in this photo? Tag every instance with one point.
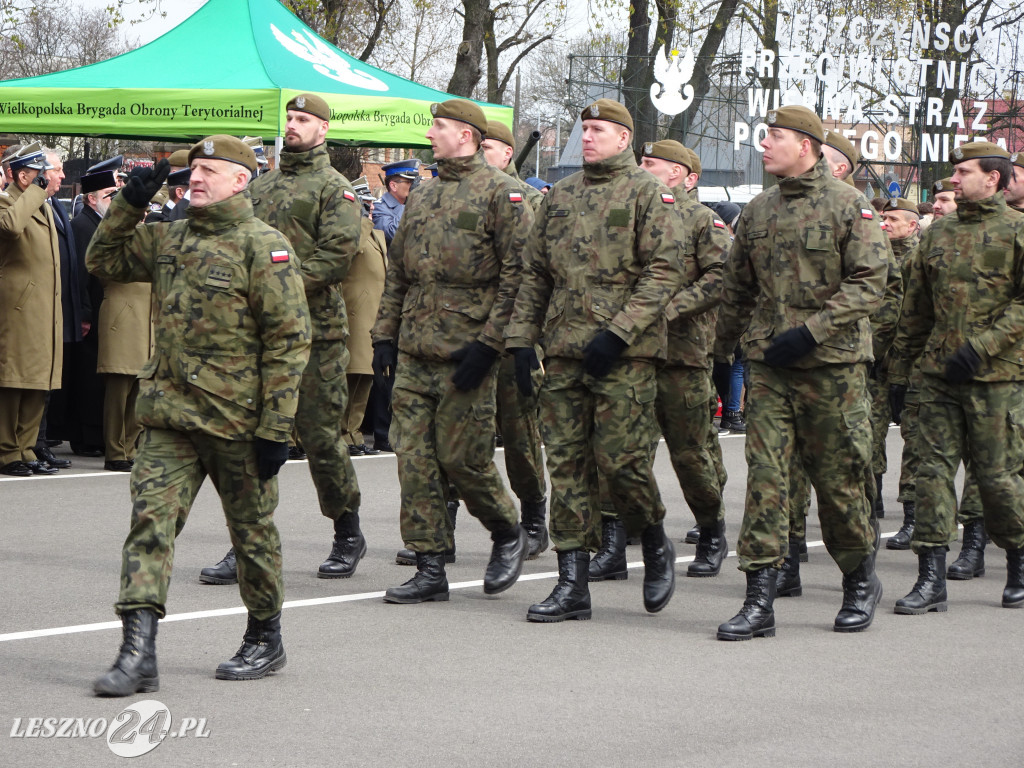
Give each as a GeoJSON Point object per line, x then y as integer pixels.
{"type": "Point", "coordinates": [799, 498]}
{"type": "Point", "coordinates": [911, 459]}
{"type": "Point", "coordinates": [169, 469]}
{"type": "Point", "coordinates": [441, 435]}
{"type": "Point", "coordinates": [517, 422]}
{"type": "Point", "coordinates": [320, 426]}
{"type": "Point", "coordinates": [823, 414]}
{"type": "Point", "coordinates": [881, 415]}
{"type": "Point", "coordinates": [686, 424]}
{"type": "Point", "coordinates": [984, 417]}
{"type": "Point", "coordinates": [599, 429]}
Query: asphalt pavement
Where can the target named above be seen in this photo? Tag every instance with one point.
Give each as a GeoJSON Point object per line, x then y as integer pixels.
{"type": "Point", "coordinates": [470, 682]}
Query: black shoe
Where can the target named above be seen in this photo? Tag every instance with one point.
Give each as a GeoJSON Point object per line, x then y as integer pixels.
{"type": "Point", "coordinates": [711, 551]}
{"type": "Point", "coordinates": [692, 535]}
{"type": "Point", "coordinates": [862, 591]}
{"type": "Point", "coordinates": [610, 561]}
{"type": "Point", "coordinates": [134, 670]}
{"type": "Point", "coordinates": [570, 599]}
{"type": "Point", "coordinates": [385, 447]}
{"type": "Point", "coordinates": [508, 553]}
{"type": "Point", "coordinates": [901, 539]}
{"type": "Point", "coordinates": [408, 557]}
{"type": "Point", "coordinates": [971, 561]}
{"type": "Point", "coordinates": [118, 466]}
{"type": "Point", "coordinates": [536, 529]}
{"type": "Point", "coordinates": [224, 572]}
{"type": "Point", "coordinates": [733, 421]}
{"type": "Point", "coordinates": [787, 580]}
{"type": "Point", "coordinates": [88, 451]}
{"type": "Point", "coordinates": [499, 441]}
{"type": "Point", "coordinates": [16, 469]}
{"type": "Point", "coordinates": [357, 450]}
{"type": "Point", "coordinates": [428, 584]}
{"type": "Point", "coordinates": [41, 468]}
{"type": "Point", "coordinates": [1013, 594]}
{"type": "Point", "coordinates": [368, 451]}
{"type": "Point", "coordinates": [262, 651]}
{"type": "Point", "coordinates": [46, 455]}
{"type": "Point", "coordinates": [929, 592]}
{"type": "Point", "coordinates": [346, 552]}
{"type": "Point", "coordinates": [659, 568]}
{"type": "Point", "coordinates": [879, 504]}
{"type": "Point", "coordinates": [757, 616]}
{"type": "Point", "coordinates": [295, 453]}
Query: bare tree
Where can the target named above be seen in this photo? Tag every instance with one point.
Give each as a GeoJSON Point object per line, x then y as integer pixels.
{"type": "Point", "coordinates": [352, 25]}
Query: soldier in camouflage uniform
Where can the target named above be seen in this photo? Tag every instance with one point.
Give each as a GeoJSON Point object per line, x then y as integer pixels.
{"type": "Point", "coordinates": [603, 262]}
{"type": "Point", "coordinates": [964, 317]}
{"type": "Point", "coordinates": [517, 414]}
{"type": "Point", "coordinates": [453, 272]}
{"type": "Point", "coordinates": [807, 269]}
{"type": "Point", "coordinates": [217, 398]}
{"type": "Point", "coordinates": [316, 209]}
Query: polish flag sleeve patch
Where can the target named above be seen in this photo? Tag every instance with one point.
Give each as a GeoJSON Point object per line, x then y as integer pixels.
{"type": "Point", "coordinates": [278, 257]}
{"type": "Point", "coordinates": [515, 197]}
{"type": "Point", "coordinates": [667, 198]}
{"type": "Point", "coordinates": [719, 224]}
{"type": "Point", "coordinates": [349, 195]}
{"type": "Point", "coordinates": [867, 213]}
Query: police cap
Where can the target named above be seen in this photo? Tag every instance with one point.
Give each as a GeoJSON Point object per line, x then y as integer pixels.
{"type": "Point", "coordinates": [797, 118]}
{"type": "Point", "coordinates": [407, 169]}
{"type": "Point", "coordinates": [462, 110]}
{"type": "Point", "coordinates": [610, 110]}
{"type": "Point", "coordinates": [179, 178]}
{"type": "Point", "coordinates": [110, 164]}
{"type": "Point", "coordinates": [311, 104]}
{"type": "Point", "coordinates": [978, 150]}
{"type": "Point", "coordinates": [223, 147]}
{"type": "Point", "coordinates": [29, 156]}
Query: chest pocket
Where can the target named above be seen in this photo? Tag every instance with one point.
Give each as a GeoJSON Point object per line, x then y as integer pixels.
{"type": "Point", "coordinates": [819, 238]}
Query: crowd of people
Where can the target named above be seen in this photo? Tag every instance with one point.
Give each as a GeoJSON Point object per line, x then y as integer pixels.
{"type": "Point", "coordinates": [592, 317]}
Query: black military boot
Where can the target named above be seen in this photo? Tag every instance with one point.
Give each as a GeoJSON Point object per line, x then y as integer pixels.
{"type": "Point", "coordinates": [757, 617]}
{"type": "Point", "coordinates": [1013, 594]}
{"type": "Point", "coordinates": [134, 670]}
{"type": "Point", "coordinates": [659, 568]}
{"type": "Point", "coordinates": [224, 572]}
{"type": "Point", "coordinates": [901, 540]}
{"type": "Point", "coordinates": [610, 560]}
{"type": "Point", "coordinates": [508, 553]}
{"type": "Point", "coordinates": [879, 505]}
{"type": "Point", "coordinates": [536, 528]}
{"type": "Point", "coordinates": [570, 599]}
{"type": "Point", "coordinates": [787, 579]}
{"type": "Point", "coordinates": [408, 557]}
{"type": "Point", "coordinates": [348, 549]}
{"type": "Point", "coordinates": [711, 551]}
{"type": "Point", "coordinates": [929, 592]}
{"type": "Point", "coordinates": [862, 591]}
{"type": "Point", "coordinates": [971, 561]}
{"type": "Point", "coordinates": [692, 536]}
{"type": "Point", "coordinates": [262, 651]}
{"type": "Point", "coordinates": [428, 584]}
{"type": "Point", "coordinates": [801, 548]}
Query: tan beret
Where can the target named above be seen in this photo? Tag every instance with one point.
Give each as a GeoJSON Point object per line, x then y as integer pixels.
{"type": "Point", "coordinates": [799, 119]}
{"type": "Point", "coordinates": [977, 150]}
{"type": "Point", "coordinates": [463, 110]}
{"type": "Point", "coordinates": [311, 104]}
{"type": "Point", "coordinates": [1017, 158]}
{"type": "Point", "coordinates": [500, 132]}
{"type": "Point", "coordinates": [694, 161]}
{"type": "Point", "coordinates": [222, 147]}
{"type": "Point", "coordinates": [900, 204]}
{"type": "Point", "coordinates": [839, 142]}
{"type": "Point", "coordinates": [944, 185]}
{"type": "Point", "coordinates": [606, 109]}
{"type": "Point", "coordinates": [179, 158]}
{"type": "Point", "coordinates": [669, 150]}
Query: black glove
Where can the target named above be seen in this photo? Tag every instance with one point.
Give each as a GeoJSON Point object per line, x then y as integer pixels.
{"type": "Point", "coordinates": [385, 358]}
{"type": "Point", "coordinates": [962, 365]}
{"type": "Point", "coordinates": [602, 352]}
{"type": "Point", "coordinates": [789, 347]}
{"type": "Point", "coordinates": [526, 362]}
{"type": "Point", "coordinates": [141, 187]}
{"type": "Point", "coordinates": [270, 456]}
{"type": "Point", "coordinates": [721, 375]}
{"type": "Point", "coordinates": [897, 396]}
{"type": "Point", "coordinates": [475, 360]}
{"type": "Point", "coordinates": [41, 181]}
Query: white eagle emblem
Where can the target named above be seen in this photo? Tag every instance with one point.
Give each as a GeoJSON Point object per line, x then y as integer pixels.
{"type": "Point", "coordinates": [938, 186]}
{"type": "Point", "coordinates": [772, 117]}
{"type": "Point", "coordinates": [595, 111]}
{"type": "Point", "coordinates": [208, 147]}
{"type": "Point", "coordinates": [672, 93]}
{"type": "Point", "coordinates": [300, 102]}
{"type": "Point", "coordinates": [958, 153]}
{"type": "Point", "coordinates": [1014, 157]}
{"type": "Point", "coordinates": [648, 148]}
{"type": "Point", "coordinates": [433, 109]}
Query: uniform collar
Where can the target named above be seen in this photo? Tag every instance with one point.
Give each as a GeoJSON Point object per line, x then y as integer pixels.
{"type": "Point", "coordinates": [313, 159]}
{"type": "Point", "coordinates": [977, 210]}
{"type": "Point", "coordinates": [455, 168]}
{"type": "Point", "coordinates": [817, 177]}
{"type": "Point", "coordinates": [905, 244]}
{"type": "Point", "coordinates": [610, 167]}
{"type": "Point", "coordinates": [217, 217]}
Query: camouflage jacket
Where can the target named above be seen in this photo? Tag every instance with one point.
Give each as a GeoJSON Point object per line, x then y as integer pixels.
{"type": "Point", "coordinates": [807, 252]}
{"type": "Point", "coordinates": [455, 263]}
{"type": "Point", "coordinates": [691, 313]}
{"type": "Point", "coordinates": [530, 194]}
{"type": "Point", "coordinates": [605, 253]}
{"type": "Point", "coordinates": [314, 206]}
{"type": "Point", "coordinates": [231, 327]}
{"type": "Point", "coordinates": [966, 286]}
{"type": "Point", "coordinates": [887, 317]}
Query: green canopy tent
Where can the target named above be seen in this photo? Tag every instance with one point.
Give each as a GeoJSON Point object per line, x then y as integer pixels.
{"type": "Point", "coordinates": [231, 67]}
